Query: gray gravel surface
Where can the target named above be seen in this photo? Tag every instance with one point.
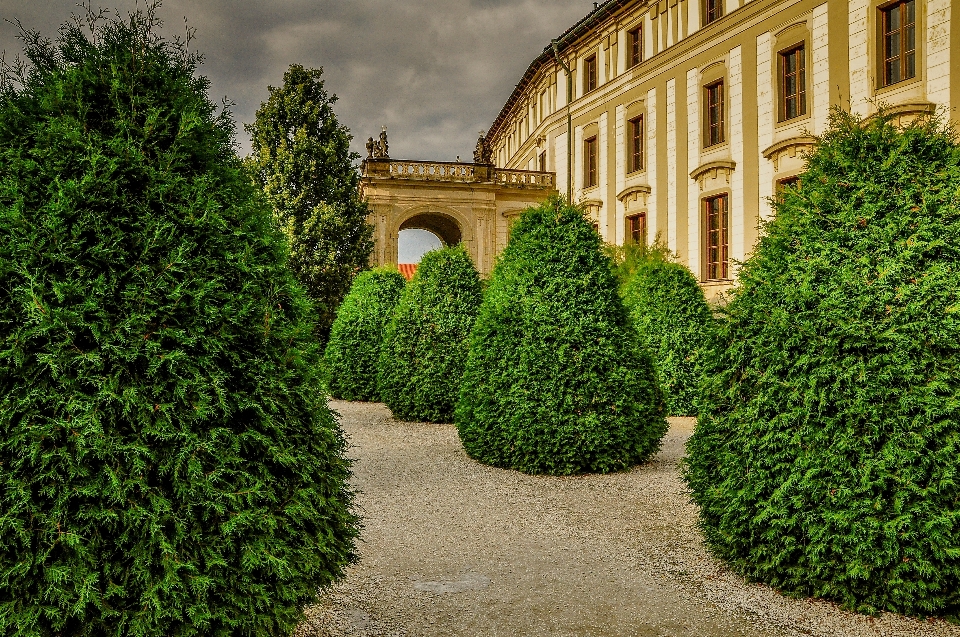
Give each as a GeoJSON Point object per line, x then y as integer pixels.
{"type": "Point", "coordinates": [454, 548]}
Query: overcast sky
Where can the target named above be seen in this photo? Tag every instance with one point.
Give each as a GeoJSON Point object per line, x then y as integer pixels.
{"type": "Point", "coordinates": [435, 72]}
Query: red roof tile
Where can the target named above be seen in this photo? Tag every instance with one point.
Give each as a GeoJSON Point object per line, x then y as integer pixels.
{"type": "Point", "coordinates": [407, 270]}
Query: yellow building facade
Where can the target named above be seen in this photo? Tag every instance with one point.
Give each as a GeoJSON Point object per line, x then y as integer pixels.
{"type": "Point", "coordinates": [686, 116]}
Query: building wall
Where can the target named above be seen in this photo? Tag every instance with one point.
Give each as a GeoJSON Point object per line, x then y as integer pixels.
{"type": "Point", "coordinates": [680, 56]}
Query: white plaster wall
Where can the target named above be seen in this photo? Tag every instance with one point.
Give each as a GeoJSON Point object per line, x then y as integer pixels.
{"type": "Point", "coordinates": [601, 67]}
{"type": "Point", "coordinates": [648, 35]}
{"type": "Point", "coordinates": [560, 161]}
{"type": "Point", "coordinates": [821, 70]}
{"type": "Point", "coordinates": [602, 179]}
{"type": "Point", "coordinates": [860, 75]}
{"type": "Point", "coordinates": [765, 118]}
{"type": "Point", "coordinates": [737, 212]}
{"type": "Point", "coordinates": [651, 126]}
{"type": "Point", "coordinates": [668, 23]}
{"type": "Point", "coordinates": [621, 51]}
{"type": "Point", "coordinates": [672, 163]}
{"type": "Point", "coordinates": [620, 117]}
{"type": "Point", "coordinates": [693, 18]}
{"type": "Point", "coordinates": [693, 160]}
{"type": "Point", "coordinates": [577, 163]}
{"type": "Point", "coordinates": [561, 95]}
{"type": "Point", "coordinates": [938, 52]}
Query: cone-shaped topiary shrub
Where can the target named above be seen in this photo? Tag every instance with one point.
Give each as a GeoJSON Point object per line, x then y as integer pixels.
{"type": "Point", "coordinates": [556, 381]}
{"type": "Point", "coordinates": [425, 344]}
{"type": "Point", "coordinates": [168, 464]}
{"type": "Point", "coordinates": [353, 351]}
{"type": "Point", "coordinates": [674, 323]}
{"type": "Point", "coordinates": [826, 460]}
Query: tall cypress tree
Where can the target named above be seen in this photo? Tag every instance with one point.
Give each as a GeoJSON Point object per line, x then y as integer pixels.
{"type": "Point", "coordinates": [302, 161]}
{"type": "Point", "coordinates": [168, 464]}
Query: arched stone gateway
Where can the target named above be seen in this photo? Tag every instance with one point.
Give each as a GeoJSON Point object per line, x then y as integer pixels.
{"type": "Point", "coordinates": [472, 204]}
{"type": "Point", "coordinates": [446, 227]}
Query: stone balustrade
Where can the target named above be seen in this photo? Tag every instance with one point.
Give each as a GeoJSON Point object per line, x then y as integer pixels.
{"type": "Point", "coordinates": [432, 171]}
{"type": "Point", "coordinates": [458, 172]}
{"type": "Point", "coordinates": [524, 178]}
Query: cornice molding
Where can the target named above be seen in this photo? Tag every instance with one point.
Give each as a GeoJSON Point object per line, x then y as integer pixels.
{"type": "Point", "coordinates": [640, 189]}
{"type": "Point", "coordinates": [793, 142]}
{"type": "Point", "coordinates": [723, 164]}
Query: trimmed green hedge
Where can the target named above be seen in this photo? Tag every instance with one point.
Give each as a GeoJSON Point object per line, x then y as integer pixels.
{"type": "Point", "coordinates": [168, 463]}
{"type": "Point", "coordinates": [353, 351]}
{"type": "Point", "coordinates": [674, 322]}
{"type": "Point", "coordinates": [556, 381]}
{"type": "Point", "coordinates": [425, 345]}
{"type": "Point", "coordinates": [826, 460]}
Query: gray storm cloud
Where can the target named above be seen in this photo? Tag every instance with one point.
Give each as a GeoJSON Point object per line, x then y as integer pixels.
{"type": "Point", "coordinates": [434, 72]}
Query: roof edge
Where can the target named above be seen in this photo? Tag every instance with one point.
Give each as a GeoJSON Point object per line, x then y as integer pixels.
{"type": "Point", "coordinates": [566, 39]}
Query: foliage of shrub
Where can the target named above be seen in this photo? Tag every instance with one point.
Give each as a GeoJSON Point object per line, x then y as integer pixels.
{"type": "Point", "coordinates": [556, 381]}
{"type": "Point", "coordinates": [168, 464]}
{"type": "Point", "coordinates": [627, 258]}
{"type": "Point", "coordinates": [825, 461]}
{"type": "Point", "coordinates": [353, 352]}
{"type": "Point", "coordinates": [425, 345]}
{"type": "Point", "coordinates": [674, 322]}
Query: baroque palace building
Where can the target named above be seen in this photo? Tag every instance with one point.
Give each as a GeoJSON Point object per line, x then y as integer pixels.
{"type": "Point", "coordinates": [686, 116]}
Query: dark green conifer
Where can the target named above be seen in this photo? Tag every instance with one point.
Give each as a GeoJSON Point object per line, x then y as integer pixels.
{"type": "Point", "coordinates": [825, 460]}
{"type": "Point", "coordinates": [168, 464]}
{"type": "Point", "coordinates": [556, 381]}
{"type": "Point", "coordinates": [425, 345]}
{"type": "Point", "coordinates": [674, 322]}
{"type": "Point", "coordinates": [353, 352]}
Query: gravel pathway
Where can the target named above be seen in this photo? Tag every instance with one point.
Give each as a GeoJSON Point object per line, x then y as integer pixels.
{"type": "Point", "coordinates": [454, 548]}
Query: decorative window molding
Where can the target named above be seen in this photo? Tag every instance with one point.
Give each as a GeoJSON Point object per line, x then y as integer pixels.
{"type": "Point", "coordinates": [788, 148]}
{"type": "Point", "coordinates": [635, 197]}
{"type": "Point", "coordinates": [635, 145]}
{"type": "Point", "coordinates": [591, 156]}
{"type": "Point", "coordinates": [635, 228]}
{"type": "Point", "coordinates": [716, 235]}
{"type": "Point", "coordinates": [712, 11]}
{"type": "Point", "coordinates": [898, 55]}
{"type": "Point", "coordinates": [713, 170]}
{"type": "Point", "coordinates": [714, 105]}
{"type": "Point", "coordinates": [792, 82]}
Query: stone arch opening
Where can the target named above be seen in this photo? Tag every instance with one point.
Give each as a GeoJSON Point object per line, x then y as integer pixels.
{"type": "Point", "coordinates": [443, 226]}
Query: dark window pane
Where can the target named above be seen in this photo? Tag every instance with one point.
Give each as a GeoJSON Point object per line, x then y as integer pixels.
{"type": "Point", "coordinates": [893, 19]}
{"type": "Point", "coordinates": [910, 66]}
{"type": "Point", "coordinates": [893, 45]}
{"type": "Point", "coordinates": [910, 9]}
{"type": "Point", "coordinates": [893, 71]}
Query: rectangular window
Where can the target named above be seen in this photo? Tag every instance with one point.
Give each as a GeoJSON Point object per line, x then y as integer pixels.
{"type": "Point", "coordinates": [793, 81]}
{"type": "Point", "coordinates": [637, 228]}
{"type": "Point", "coordinates": [635, 47]}
{"type": "Point", "coordinates": [590, 167]}
{"type": "Point", "coordinates": [544, 107]}
{"type": "Point", "coordinates": [590, 74]}
{"type": "Point", "coordinates": [898, 34]}
{"type": "Point", "coordinates": [712, 11]}
{"type": "Point", "coordinates": [793, 182]}
{"type": "Point", "coordinates": [543, 162]}
{"type": "Point", "coordinates": [635, 149]}
{"type": "Point", "coordinates": [717, 229]}
{"type": "Point", "coordinates": [787, 182]}
{"type": "Point", "coordinates": [713, 106]}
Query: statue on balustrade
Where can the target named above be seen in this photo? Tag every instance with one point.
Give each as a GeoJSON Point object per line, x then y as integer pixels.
{"type": "Point", "coordinates": [482, 154]}
{"type": "Point", "coordinates": [378, 148]}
